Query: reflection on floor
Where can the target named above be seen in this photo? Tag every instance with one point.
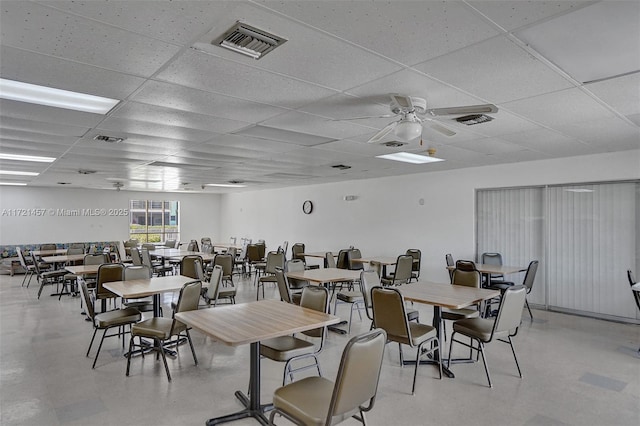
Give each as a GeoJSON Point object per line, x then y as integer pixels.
{"type": "Point", "coordinates": [575, 371]}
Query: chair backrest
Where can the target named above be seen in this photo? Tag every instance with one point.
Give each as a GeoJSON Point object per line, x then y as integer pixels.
{"type": "Point", "coordinates": [23, 261]}
{"type": "Point", "coordinates": [146, 258]}
{"type": "Point", "coordinates": [243, 252]}
{"type": "Point", "coordinates": [283, 286]}
{"type": "Point", "coordinates": [75, 250]}
{"type": "Point", "coordinates": [316, 298]}
{"type": "Point", "coordinates": [416, 254]}
{"type": "Point", "coordinates": [95, 259]}
{"type": "Point", "coordinates": [297, 250]}
{"type": "Point", "coordinates": [48, 247]}
{"type": "Point", "coordinates": [187, 300]}
{"type": "Point", "coordinates": [171, 243]}
{"type": "Point", "coordinates": [93, 249]}
{"type": "Point", "coordinates": [274, 259]}
{"type": "Point", "coordinates": [188, 266]}
{"type": "Point", "coordinates": [530, 276]}
{"type": "Point", "coordinates": [108, 272]}
{"type": "Point", "coordinates": [226, 263]}
{"type": "Point", "coordinates": [149, 246]}
{"type": "Point", "coordinates": [358, 375]}
{"type": "Point", "coordinates": [466, 278]}
{"type": "Point", "coordinates": [389, 312]}
{"type": "Point", "coordinates": [206, 240]}
{"type": "Point", "coordinates": [253, 253]}
{"type": "Point", "coordinates": [329, 260]}
{"type": "Point", "coordinates": [122, 251]}
{"type": "Point", "coordinates": [36, 264]}
{"type": "Point", "coordinates": [354, 254]}
{"type": "Point", "coordinates": [262, 248]}
{"type": "Point", "coordinates": [491, 259]}
{"type": "Point", "coordinates": [368, 280]}
{"type": "Point", "coordinates": [404, 265]}
{"type": "Point", "coordinates": [466, 265]}
{"type": "Point", "coordinates": [76, 246]}
{"type": "Point", "coordinates": [193, 246]}
{"type": "Point", "coordinates": [136, 258]}
{"type": "Point", "coordinates": [295, 265]}
{"type": "Point", "coordinates": [376, 266]}
{"type": "Point", "coordinates": [131, 243]}
{"type": "Point", "coordinates": [88, 299]}
{"type": "Point", "coordinates": [632, 281]}
{"type": "Point", "coordinates": [284, 247]}
{"type": "Point", "coordinates": [449, 259]}
{"type": "Point", "coordinates": [214, 283]}
{"type": "Point", "coordinates": [510, 310]}
{"type": "Point", "coordinates": [630, 276]}
{"type": "Point", "coordinates": [343, 259]}
{"type": "Point", "coordinates": [133, 272]}
{"type": "Point", "coordinates": [206, 248]}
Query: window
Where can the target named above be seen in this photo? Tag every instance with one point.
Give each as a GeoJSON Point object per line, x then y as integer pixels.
{"type": "Point", "coordinates": [153, 221]}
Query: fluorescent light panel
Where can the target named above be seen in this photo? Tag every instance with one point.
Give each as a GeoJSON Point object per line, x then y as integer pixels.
{"type": "Point", "coordinates": [41, 95]}
{"type": "Point", "coordinates": [13, 183]}
{"type": "Point", "coordinates": [579, 190]}
{"type": "Point", "coordinates": [15, 173]}
{"type": "Point", "coordinates": [226, 185]}
{"type": "Point", "coordinates": [18, 157]}
{"type": "Point", "coordinates": [407, 157]}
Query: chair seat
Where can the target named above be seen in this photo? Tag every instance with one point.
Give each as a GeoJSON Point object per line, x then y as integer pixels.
{"type": "Point", "coordinates": [479, 328]}
{"type": "Point", "coordinates": [349, 296]}
{"type": "Point", "coordinates": [268, 279]}
{"type": "Point", "coordinates": [143, 305]}
{"type": "Point", "coordinates": [459, 314]}
{"type": "Point", "coordinates": [284, 348]}
{"type": "Point", "coordinates": [117, 317]}
{"type": "Point", "coordinates": [500, 285]}
{"type": "Point", "coordinates": [155, 328]}
{"type": "Point", "coordinates": [296, 298]}
{"type": "Point", "coordinates": [306, 400]}
{"type": "Point", "coordinates": [53, 274]}
{"type": "Point", "coordinates": [419, 333]}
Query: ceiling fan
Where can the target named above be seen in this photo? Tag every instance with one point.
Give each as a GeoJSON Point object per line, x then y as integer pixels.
{"type": "Point", "coordinates": [413, 111]}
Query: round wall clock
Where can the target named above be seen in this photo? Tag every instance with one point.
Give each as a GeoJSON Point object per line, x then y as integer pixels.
{"type": "Point", "coordinates": [307, 207]}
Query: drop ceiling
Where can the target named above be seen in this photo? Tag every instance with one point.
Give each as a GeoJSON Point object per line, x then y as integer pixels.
{"type": "Point", "coordinates": [192, 113]}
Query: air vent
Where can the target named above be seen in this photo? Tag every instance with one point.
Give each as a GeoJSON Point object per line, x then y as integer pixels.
{"type": "Point", "coordinates": [108, 139]}
{"type": "Point", "coordinates": [86, 172]}
{"type": "Point", "coordinates": [236, 181]}
{"type": "Point", "coordinates": [470, 120]}
{"type": "Point", "coordinates": [249, 41]}
{"type": "Point", "coordinates": [64, 183]}
{"type": "Point", "coordinates": [341, 167]}
{"type": "Point", "coordinates": [394, 144]}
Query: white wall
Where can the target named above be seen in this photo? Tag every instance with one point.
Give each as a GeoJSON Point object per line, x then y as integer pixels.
{"type": "Point", "coordinates": [199, 215]}
{"type": "Point", "coordinates": [386, 218]}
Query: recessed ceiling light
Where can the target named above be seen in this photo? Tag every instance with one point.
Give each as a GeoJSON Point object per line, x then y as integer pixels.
{"type": "Point", "coordinates": [14, 173]}
{"type": "Point", "coordinates": [18, 157]}
{"type": "Point", "coordinates": [13, 183]}
{"type": "Point", "coordinates": [41, 95]}
{"type": "Point", "coordinates": [225, 185]}
{"type": "Point", "coordinates": [407, 157]}
{"type": "Point", "coordinates": [579, 190]}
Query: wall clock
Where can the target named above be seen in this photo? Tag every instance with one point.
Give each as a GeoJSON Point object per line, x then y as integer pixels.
{"type": "Point", "coordinates": [307, 207]}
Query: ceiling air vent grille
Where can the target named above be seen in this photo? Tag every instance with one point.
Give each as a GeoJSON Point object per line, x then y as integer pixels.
{"type": "Point", "coordinates": [470, 120]}
{"type": "Point", "coordinates": [108, 139]}
{"type": "Point", "coordinates": [249, 41]}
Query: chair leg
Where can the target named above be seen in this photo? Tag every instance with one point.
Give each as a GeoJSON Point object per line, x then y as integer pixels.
{"type": "Point", "coordinates": [484, 362]}
{"type": "Point", "coordinates": [95, 330]}
{"type": "Point", "coordinates": [401, 355]}
{"type": "Point", "coordinates": [99, 347]}
{"type": "Point", "coordinates": [514, 356]}
{"type": "Point", "coordinates": [528, 308]}
{"type": "Point", "coordinates": [131, 345]}
{"type": "Point", "coordinates": [193, 351]}
{"type": "Point", "coordinates": [164, 359]}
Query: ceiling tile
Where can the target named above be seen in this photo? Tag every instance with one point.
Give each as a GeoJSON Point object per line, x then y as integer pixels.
{"type": "Point", "coordinates": [501, 71]}
{"type": "Point", "coordinates": [60, 116]}
{"type": "Point", "coordinates": [549, 142]}
{"type": "Point", "coordinates": [153, 129]}
{"type": "Point", "coordinates": [611, 134]}
{"type": "Point", "coordinates": [315, 125]}
{"type": "Point", "coordinates": [490, 146]}
{"type": "Point", "coordinates": [615, 92]}
{"type": "Point", "coordinates": [34, 126]}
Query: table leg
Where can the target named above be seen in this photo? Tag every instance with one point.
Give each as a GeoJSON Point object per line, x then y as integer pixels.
{"type": "Point", "coordinates": [253, 408]}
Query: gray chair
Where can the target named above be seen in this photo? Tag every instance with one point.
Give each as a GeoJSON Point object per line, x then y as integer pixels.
{"type": "Point", "coordinates": [288, 349]}
{"type": "Point", "coordinates": [402, 274]}
{"type": "Point", "coordinates": [29, 268]}
{"type": "Point", "coordinates": [296, 265]}
{"type": "Point", "coordinates": [468, 279]}
{"type": "Point", "coordinates": [132, 272]}
{"type": "Point", "coordinates": [108, 272]}
{"type": "Point", "coordinates": [636, 294]}
{"type": "Point", "coordinates": [389, 313]}
{"type": "Point", "coordinates": [329, 260]}
{"type": "Point", "coordinates": [214, 293]}
{"type": "Point", "coordinates": [285, 290]}
{"type": "Point", "coordinates": [188, 267]}
{"type": "Point", "coordinates": [274, 260]}
{"type": "Point", "coordinates": [193, 246]}
{"type": "Point", "coordinates": [483, 331]}
{"type": "Point", "coordinates": [493, 259]}
{"type": "Point", "coordinates": [319, 401]}
{"type": "Point", "coordinates": [161, 329]}
{"type": "Point", "coordinates": [297, 251]}
{"type": "Point", "coordinates": [450, 265]}
{"type": "Point", "coordinates": [225, 261]}
{"type": "Point", "coordinates": [47, 277]}
{"type": "Point", "coordinates": [70, 281]}
{"type": "Point", "coordinates": [106, 320]}
{"type": "Point", "coordinates": [136, 257]}
{"type": "Point", "coordinates": [417, 263]}
{"type": "Point", "coordinates": [529, 278]}
{"type": "Point", "coordinates": [157, 267]}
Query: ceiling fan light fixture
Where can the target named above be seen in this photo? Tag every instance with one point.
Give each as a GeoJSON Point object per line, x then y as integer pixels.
{"type": "Point", "coordinates": [408, 130]}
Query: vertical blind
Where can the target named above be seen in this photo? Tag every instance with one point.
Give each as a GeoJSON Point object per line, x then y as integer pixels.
{"type": "Point", "coordinates": [586, 237]}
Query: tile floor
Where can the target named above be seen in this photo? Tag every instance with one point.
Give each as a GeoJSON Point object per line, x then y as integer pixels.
{"type": "Point", "coordinates": [576, 371]}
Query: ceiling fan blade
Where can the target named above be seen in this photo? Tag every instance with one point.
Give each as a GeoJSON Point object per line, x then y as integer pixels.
{"type": "Point", "coordinates": [382, 133]}
{"type": "Point", "coordinates": [403, 102]}
{"type": "Point", "coordinates": [364, 117]}
{"type": "Point", "coordinates": [464, 110]}
{"type": "Point", "coordinates": [442, 129]}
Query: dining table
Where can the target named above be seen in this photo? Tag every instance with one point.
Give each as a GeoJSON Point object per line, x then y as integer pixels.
{"type": "Point", "coordinates": [250, 323]}
{"type": "Point", "coordinates": [327, 277]}
{"type": "Point", "coordinates": [49, 252]}
{"type": "Point", "coordinates": [63, 258]}
{"type": "Point", "coordinates": [441, 295]}
{"type": "Point", "coordinates": [487, 270]}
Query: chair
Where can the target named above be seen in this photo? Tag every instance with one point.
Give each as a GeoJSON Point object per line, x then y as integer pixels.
{"type": "Point", "coordinates": [529, 278]}
{"type": "Point", "coordinates": [214, 292]}
{"type": "Point", "coordinates": [343, 261]}
{"type": "Point", "coordinates": [193, 246]}
{"type": "Point", "coordinates": [206, 240]}
{"type": "Point", "coordinates": [290, 348]}
{"type": "Point", "coordinates": [468, 279]}
{"type": "Point", "coordinates": [389, 313]}
{"type": "Point", "coordinates": [318, 401]}
{"type": "Point", "coordinates": [402, 274]}
{"type": "Point", "coordinates": [108, 272]}
{"type": "Point", "coordinates": [74, 246]}
{"type": "Point", "coordinates": [206, 248]}
{"type": "Point", "coordinates": [354, 298]}
{"type": "Point", "coordinates": [493, 259]}
{"type": "Point", "coordinates": [129, 244]}
{"type": "Point", "coordinates": [240, 261]}
{"type": "Point", "coordinates": [253, 256]}
{"type": "Point", "coordinates": [188, 267]}
{"type": "Point", "coordinates": [132, 272]}
{"type": "Point", "coordinates": [48, 247]}
{"type": "Point", "coordinates": [274, 259]}
{"type": "Point", "coordinates": [46, 277]}
{"type": "Point", "coordinates": [449, 259]}
{"type": "Point", "coordinates": [122, 253]}
{"type": "Point", "coordinates": [352, 264]}
{"type": "Point", "coordinates": [148, 246]}
{"type": "Point", "coordinates": [296, 265]}
{"type": "Point", "coordinates": [225, 261]}
{"type": "Point", "coordinates": [417, 262]}
{"type": "Point", "coordinates": [285, 290]}
{"type": "Point", "coordinates": [136, 258]}
{"type": "Point", "coordinates": [484, 331]}
{"type": "Point", "coordinates": [283, 248]}
{"type": "Point", "coordinates": [161, 329]}
{"type": "Point", "coordinates": [157, 267]}
{"type": "Point", "coordinates": [466, 265]}
{"type": "Point", "coordinates": [297, 251]}
{"type": "Point", "coordinates": [93, 259]}
{"type": "Point", "coordinates": [29, 268]}
{"type": "Point", "coordinates": [106, 320]}
{"type": "Point", "coordinates": [171, 243]}
{"type": "Point", "coordinates": [636, 294]}
{"type": "Point", "coordinates": [329, 260]}
{"type": "Point", "coordinates": [72, 279]}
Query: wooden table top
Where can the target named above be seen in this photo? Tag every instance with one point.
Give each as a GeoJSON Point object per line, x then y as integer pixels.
{"type": "Point", "coordinates": [49, 252]}
{"type": "Point", "coordinates": [325, 275]}
{"type": "Point", "coordinates": [495, 269]}
{"type": "Point", "coordinates": [254, 321]}
{"type": "Point", "coordinates": [383, 260]}
{"type": "Point", "coordinates": [171, 252]}
{"type": "Point", "coordinates": [133, 289]}
{"type": "Point", "coordinates": [446, 295]}
{"type": "Point", "coordinates": [83, 269]}
{"type": "Point", "coordinates": [319, 254]}
{"type": "Point", "coordinates": [63, 258]}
